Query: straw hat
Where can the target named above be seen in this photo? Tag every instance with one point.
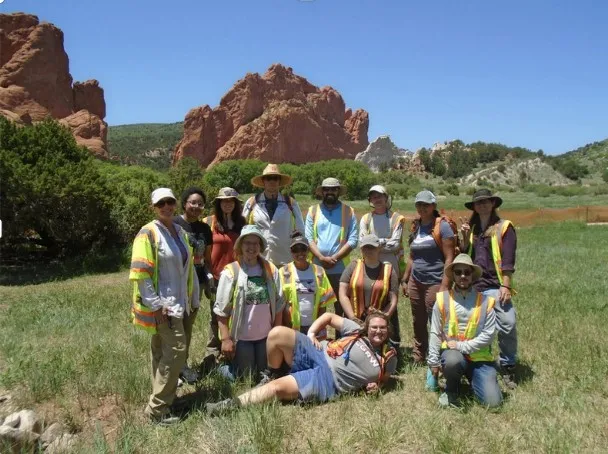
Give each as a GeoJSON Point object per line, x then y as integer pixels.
{"type": "Point", "coordinates": [464, 259]}
{"type": "Point", "coordinates": [271, 169]}
{"type": "Point", "coordinates": [330, 183]}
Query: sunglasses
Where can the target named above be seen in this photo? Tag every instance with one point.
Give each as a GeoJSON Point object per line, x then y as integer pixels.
{"type": "Point", "coordinates": [298, 249]}
{"type": "Point", "coordinates": [462, 272]}
{"type": "Point", "coordinates": [272, 178]}
{"type": "Point", "coordinates": [163, 202]}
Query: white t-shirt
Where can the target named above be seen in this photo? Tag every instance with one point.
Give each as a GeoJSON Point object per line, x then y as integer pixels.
{"type": "Point", "coordinates": [305, 288]}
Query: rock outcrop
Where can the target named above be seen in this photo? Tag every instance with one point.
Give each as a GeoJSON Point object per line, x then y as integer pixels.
{"type": "Point", "coordinates": [276, 117]}
{"type": "Point", "coordinates": [382, 154]}
{"type": "Point", "coordinates": [35, 82]}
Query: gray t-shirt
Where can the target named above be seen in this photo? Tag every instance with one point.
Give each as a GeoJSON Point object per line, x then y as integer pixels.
{"type": "Point", "coordinates": [428, 257]}
{"type": "Point", "coordinates": [369, 278]}
{"type": "Point", "coordinates": [362, 367]}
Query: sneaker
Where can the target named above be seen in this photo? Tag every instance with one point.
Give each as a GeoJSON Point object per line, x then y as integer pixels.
{"type": "Point", "coordinates": [448, 400]}
{"type": "Point", "coordinates": [266, 377]}
{"type": "Point", "coordinates": [180, 382]}
{"type": "Point", "coordinates": [432, 384]}
{"type": "Point", "coordinates": [165, 420]}
{"type": "Point", "coordinates": [508, 376]}
{"type": "Point", "coordinates": [188, 375]}
{"type": "Point", "coordinates": [224, 406]}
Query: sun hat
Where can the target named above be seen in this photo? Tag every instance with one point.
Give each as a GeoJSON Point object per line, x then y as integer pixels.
{"type": "Point", "coordinates": [369, 240]}
{"type": "Point", "coordinates": [426, 196]}
{"type": "Point", "coordinates": [162, 193]}
{"type": "Point", "coordinates": [377, 188]}
{"type": "Point", "coordinates": [271, 169]}
{"type": "Point", "coordinates": [227, 193]}
{"type": "Point", "coordinates": [483, 194]}
{"type": "Point", "coordinates": [250, 230]}
{"type": "Point", "coordinates": [330, 183]}
{"type": "Point", "coordinates": [464, 259]}
{"type": "Point", "coordinates": [298, 238]}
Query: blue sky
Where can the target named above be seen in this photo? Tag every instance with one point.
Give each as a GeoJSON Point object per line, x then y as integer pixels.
{"type": "Point", "coordinates": [528, 73]}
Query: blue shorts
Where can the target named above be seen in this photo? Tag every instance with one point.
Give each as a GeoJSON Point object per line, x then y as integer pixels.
{"type": "Point", "coordinates": [311, 371]}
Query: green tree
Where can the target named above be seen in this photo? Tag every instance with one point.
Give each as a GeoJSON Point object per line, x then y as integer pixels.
{"type": "Point", "coordinates": [52, 192]}
{"type": "Point", "coordinates": [186, 173]}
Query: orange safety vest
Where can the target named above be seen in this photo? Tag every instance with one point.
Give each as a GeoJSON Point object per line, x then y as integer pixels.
{"type": "Point", "coordinates": [379, 289]}
{"type": "Point", "coordinates": [211, 221]}
{"type": "Point", "coordinates": [343, 346]}
{"type": "Point", "coordinates": [483, 306]}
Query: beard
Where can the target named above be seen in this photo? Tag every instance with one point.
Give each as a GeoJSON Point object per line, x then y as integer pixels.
{"type": "Point", "coordinates": [466, 285]}
{"type": "Point", "coordinates": [330, 199]}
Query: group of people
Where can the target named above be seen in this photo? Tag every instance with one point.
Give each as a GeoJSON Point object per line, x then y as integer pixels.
{"type": "Point", "coordinates": [270, 274]}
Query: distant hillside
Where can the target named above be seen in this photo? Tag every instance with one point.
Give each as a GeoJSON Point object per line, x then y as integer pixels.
{"type": "Point", "coordinates": [146, 144]}
{"type": "Point", "coordinates": [516, 173]}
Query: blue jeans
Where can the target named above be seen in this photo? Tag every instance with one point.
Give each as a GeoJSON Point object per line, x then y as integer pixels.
{"type": "Point", "coordinates": [481, 375]}
{"type": "Point", "coordinates": [507, 329]}
{"type": "Point", "coordinates": [249, 358]}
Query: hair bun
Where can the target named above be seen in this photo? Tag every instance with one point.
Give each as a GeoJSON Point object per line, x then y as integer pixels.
{"type": "Point", "coordinates": [296, 234]}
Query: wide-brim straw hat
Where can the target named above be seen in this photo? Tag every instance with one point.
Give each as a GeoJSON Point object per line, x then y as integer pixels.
{"type": "Point", "coordinates": [330, 183]}
{"type": "Point", "coordinates": [250, 230]}
{"type": "Point", "coordinates": [271, 169]}
{"type": "Point", "coordinates": [464, 259]}
{"type": "Point", "coordinates": [484, 194]}
{"type": "Point", "coordinates": [227, 193]}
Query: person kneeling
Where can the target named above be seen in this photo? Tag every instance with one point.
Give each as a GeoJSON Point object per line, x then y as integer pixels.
{"type": "Point", "coordinates": [463, 327]}
{"type": "Point", "coordinates": [319, 371]}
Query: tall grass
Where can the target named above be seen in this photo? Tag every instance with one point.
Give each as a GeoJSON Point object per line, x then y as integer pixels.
{"type": "Point", "coordinates": [67, 349]}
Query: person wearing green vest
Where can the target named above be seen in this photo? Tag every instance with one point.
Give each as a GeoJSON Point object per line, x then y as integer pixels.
{"type": "Point", "coordinates": [492, 243]}
{"type": "Point", "coordinates": [164, 291]}
{"type": "Point", "coordinates": [463, 327]}
{"type": "Point", "coordinates": [306, 288]}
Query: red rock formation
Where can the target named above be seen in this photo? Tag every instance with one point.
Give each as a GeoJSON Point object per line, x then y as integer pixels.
{"type": "Point", "coordinates": [278, 117]}
{"type": "Point", "coordinates": [35, 81]}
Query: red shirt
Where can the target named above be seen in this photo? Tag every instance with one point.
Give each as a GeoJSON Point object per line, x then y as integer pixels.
{"type": "Point", "coordinates": [222, 251]}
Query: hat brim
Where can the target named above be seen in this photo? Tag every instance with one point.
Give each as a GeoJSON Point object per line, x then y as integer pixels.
{"type": "Point", "coordinates": [258, 181]}
{"type": "Point", "coordinates": [239, 240]}
{"type": "Point", "coordinates": [497, 200]}
{"type": "Point", "coordinates": [476, 270]}
{"type": "Point", "coordinates": [319, 190]}
{"type": "Point", "coordinates": [224, 197]}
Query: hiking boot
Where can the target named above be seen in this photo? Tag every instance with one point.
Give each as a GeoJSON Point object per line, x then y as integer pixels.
{"type": "Point", "coordinates": [188, 375]}
{"type": "Point", "coordinates": [508, 376]}
{"type": "Point", "coordinates": [432, 384]}
{"type": "Point", "coordinates": [224, 406]}
{"type": "Point", "coordinates": [209, 363]}
{"type": "Point", "coordinates": [447, 400]}
{"type": "Point", "coordinates": [265, 377]}
{"type": "Point", "coordinates": [165, 420]}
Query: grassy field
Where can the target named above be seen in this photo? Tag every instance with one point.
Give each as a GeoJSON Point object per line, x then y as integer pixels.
{"type": "Point", "coordinates": [67, 350]}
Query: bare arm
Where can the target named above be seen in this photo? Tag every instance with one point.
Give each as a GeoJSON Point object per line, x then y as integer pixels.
{"type": "Point", "coordinates": [393, 303]}
{"type": "Point", "coordinates": [345, 301]}
{"type": "Point", "coordinates": [447, 247]}
{"type": "Point", "coordinates": [327, 319]}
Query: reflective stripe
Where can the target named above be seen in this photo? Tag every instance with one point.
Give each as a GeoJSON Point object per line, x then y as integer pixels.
{"type": "Point", "coordinates": [394, 222]}
{"type": "Point", "coordinates": [347, 213]}
{"type": "Point", "coordinates": [379, 288]}
{"type": "Point", "coordinates": [497, 235]}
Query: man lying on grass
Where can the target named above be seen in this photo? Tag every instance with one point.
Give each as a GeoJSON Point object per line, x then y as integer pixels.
{"type": "Point", "coordinates": [302, 367]}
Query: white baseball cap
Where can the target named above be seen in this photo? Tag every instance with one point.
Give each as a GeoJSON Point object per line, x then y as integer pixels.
{"type": "Point", "coordinates": [162, 193]}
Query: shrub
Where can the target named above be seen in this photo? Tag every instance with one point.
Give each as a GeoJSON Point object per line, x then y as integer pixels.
{"type": "Point", "coordinates": [452, 189]}
{"type": "Point", "coordinates": [52, 192]}
{"type": "Point", "coordinates": [501, 168]}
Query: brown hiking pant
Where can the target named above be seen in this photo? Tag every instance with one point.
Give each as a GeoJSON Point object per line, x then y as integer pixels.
{"type": "Point", "coordinates": [422, 299]}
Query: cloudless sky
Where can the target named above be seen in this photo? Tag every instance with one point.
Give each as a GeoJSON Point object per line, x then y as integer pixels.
{"type": "Point", "coordinates": [531, 73]}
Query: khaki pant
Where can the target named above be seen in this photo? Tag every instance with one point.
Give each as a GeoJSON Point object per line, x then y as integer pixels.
{"type": "Point", "coordinates": [422, 298]}
{"type": "Point", "coordinates": [168, 351]}
{"type": "Point", "coordinates": [189, 320]}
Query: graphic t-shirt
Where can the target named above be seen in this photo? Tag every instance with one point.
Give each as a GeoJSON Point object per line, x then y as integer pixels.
{"type": "Point", "coordinates": [257, 323]}
{"type": "Point", "coordinates": [305, 288]}
{"type": "Point", "coordinates": [200, 236]}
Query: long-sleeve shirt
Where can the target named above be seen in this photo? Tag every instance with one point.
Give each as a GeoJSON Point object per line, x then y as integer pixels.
{"type": "Point", "coordinates": [390, 239]}
{"type": "Point", "coordinates": [482, 256]}
{"type": "Point", "coordinates": [464, 309]}
{"type": "Point", "coordinates": [329, 224]}
{"type": "Point", "coordinates": [278, 228]}
{"type": "Point", "coordinates": [173, 269]}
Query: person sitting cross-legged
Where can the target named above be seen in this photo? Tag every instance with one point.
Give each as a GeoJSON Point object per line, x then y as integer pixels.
{"type": "Point", "coordinates": [463, 327]}
{"type": "Point", "coordinates": [302, 367]}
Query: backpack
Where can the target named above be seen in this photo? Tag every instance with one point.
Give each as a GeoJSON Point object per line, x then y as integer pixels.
{"type": "Point", "coordinates": [253, 201]}
{"type": "Point", "coordinates": [436, 232]}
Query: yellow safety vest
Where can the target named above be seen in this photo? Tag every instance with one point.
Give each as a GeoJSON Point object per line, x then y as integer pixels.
{"type": "Point", "coordinates": [379, 289]}
{"type": "Point", "coordinates": [496, 241]}
{"type": "Point", "coordinates": [394, 222]}
{"type": "Point", "coordinates": [324, 293]}
{"type": "Point", "coordinates": [483, 306]}
{"type": "Point", "coordinates": [144, 259]}
{"type": "Point", "coordinates": [347, 214]}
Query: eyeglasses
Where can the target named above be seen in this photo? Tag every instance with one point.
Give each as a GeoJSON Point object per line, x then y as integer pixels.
{"type": "Point", "coordinates": [271, 178]}
{"type": "Point", "coordinates": [197, 204]}
{"type": "Point", "coordinates": [299, 249]}
{"type": "Point", "coordinates": [163, 202]}
{"type": "Point", "coordinates": [378, 328]}
{"type": "Point", "coordinates": [462, 272]}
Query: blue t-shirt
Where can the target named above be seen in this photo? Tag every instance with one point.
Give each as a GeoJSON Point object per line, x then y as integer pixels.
{"type": "Point", "coordinates": [428, 258]}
